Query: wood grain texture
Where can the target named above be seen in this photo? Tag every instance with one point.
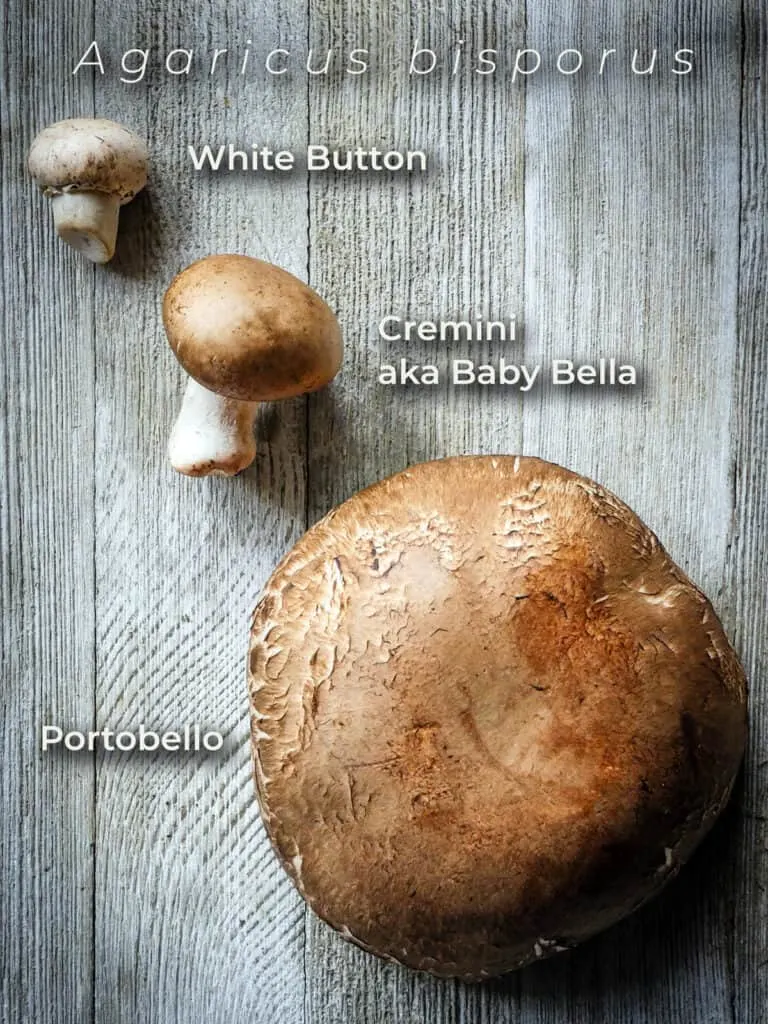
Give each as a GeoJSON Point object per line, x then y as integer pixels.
{"type": "Point", "coordinates": [747, 604]}
{"type": "Point", "coordinates": [46, 541]}
{"type": "Point", "coordinates": [447, 245]}
{"type": "Point", "coordinates": [194, 920]}
{"type": "Point", "coordinates": [616, 215]}
{"type": "Point", "coordinates": [631, 250]}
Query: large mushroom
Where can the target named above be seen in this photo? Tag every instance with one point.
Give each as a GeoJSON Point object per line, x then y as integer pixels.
{"type": "Point", "coordinates": [246, 332]}
{"type": "Point", "coordinates": [490, 715]}
{"type": "Point", "coordinates": [89, 167]}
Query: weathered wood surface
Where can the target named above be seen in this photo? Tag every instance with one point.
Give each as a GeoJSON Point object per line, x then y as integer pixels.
{"type": "Point", "coordinates": [193, 919]}
{"type": "Point", "coordinates": [618, 215]}
{"type": "Point", "coordinates": [47, 609]}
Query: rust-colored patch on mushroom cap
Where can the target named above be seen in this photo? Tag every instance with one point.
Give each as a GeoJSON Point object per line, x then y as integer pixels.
{"type": "Point", "coordinates": [490, 716]}
{"type": "Point", "coordinates": [249, 330]}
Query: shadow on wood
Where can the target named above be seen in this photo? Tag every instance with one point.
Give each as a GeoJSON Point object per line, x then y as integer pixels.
{"type": "Point", "coordinates": [666, 935]}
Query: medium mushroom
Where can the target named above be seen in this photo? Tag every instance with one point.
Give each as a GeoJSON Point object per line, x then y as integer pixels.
{"type": "Point", "coordinates": [490, 715]}
{"type": "Point", "coordinates": [89, 168]}
{"type": "Point", "coordinates": [246, 332]}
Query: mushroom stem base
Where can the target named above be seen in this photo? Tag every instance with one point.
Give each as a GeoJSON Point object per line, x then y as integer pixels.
{"type": "Point", "coordinates": [213, 435]}
{"type": "Point", "coordinates": [88, 222]}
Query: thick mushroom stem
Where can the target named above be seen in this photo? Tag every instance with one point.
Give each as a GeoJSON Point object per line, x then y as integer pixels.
{"type": "Point", "coordinates": [213, 435]}
{"type": "Point", "coordinates": [88, 222]}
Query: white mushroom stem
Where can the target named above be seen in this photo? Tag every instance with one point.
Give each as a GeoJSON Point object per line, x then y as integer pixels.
{"type": "Point", "coordinates": [88, 222]}
{"type": "Point", "coordinates": [213, 435]}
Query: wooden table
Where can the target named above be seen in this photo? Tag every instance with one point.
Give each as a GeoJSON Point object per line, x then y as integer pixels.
{"type": "Point", "coordinates": [616, 215]}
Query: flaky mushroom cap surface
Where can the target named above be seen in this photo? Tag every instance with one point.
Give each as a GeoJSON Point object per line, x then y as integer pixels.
{"type": "Point", "coordinates": [490, 715]}
{"type": "Point", "coordinates": [89, 155]}
{"type": "Point", "coordinates": [250, 330]}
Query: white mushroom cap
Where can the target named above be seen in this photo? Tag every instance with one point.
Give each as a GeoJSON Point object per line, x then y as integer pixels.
{"type": "Point", "coordinates": [89, 155]}
{"type": "Point", "coordinates": [90, 167]}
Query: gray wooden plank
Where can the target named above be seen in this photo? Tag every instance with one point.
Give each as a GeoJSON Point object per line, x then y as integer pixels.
{"type": "Point", "coordinates": [46, 542]}
{"type": "Point", "coordinates": [195, 921]}
{"type": "Point", "coordinates": [448, 245]}
{"type": "Point", "coordinates": [632, 249]}
{"type": "Point", "coordinates": [747, 595]}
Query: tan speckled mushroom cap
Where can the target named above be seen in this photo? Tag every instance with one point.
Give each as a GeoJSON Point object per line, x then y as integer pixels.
{"type": "Point", "coordinates": [89, 155]}
{"type": "Point", "coordinates": [250, 330]}
{"type": "Point", "coordinates": [490, 715]}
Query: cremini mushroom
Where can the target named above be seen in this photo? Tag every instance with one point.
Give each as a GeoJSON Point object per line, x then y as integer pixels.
{"type": "Point", "coordinates": [246, 332]}
{"type": "Point", "coordinates": [89, 168]}
{"type": "Point", "coordinates": [490, 715]}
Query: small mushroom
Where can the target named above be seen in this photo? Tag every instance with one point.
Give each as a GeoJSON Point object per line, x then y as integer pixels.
{"type": "Point", "coordinates": [490, 715]}
{"type": "Point", "coordinates": [246, 332]}
{"type": "Point", "coordinates": [89, 168]}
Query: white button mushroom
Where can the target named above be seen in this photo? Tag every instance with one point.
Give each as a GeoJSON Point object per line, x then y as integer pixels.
{"type": "Point", "coordinates": [246, 332]}
{"type": "Point", "coordinates": [89, 168]}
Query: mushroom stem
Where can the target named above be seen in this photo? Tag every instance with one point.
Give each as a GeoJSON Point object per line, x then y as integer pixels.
{"type": "Point", "coordinates": [213, 435]}
{"type": "Point", "coordinates": [88, 222]}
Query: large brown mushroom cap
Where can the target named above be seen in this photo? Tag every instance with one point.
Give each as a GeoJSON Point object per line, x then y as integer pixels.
{"type": "Point", "coordinates": [490, 715]}
{"type": "Point", "coordinates": [86, 154]}
{"type": "Point", "coordinates": [250, 330]}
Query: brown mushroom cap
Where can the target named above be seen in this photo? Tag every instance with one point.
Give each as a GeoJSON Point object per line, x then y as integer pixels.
{"type": "Point", "coordinates": [490, 715]}
{"type": "Point", "coordinates": [89, 155]}
{"type": "Point", "coordinates": [250, 330]}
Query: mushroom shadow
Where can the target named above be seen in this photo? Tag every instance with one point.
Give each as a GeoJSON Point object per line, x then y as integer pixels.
{"type": "Point", "coordinates": [140, 242]}
{"type": "Point", "coordinates": [661, 941]}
